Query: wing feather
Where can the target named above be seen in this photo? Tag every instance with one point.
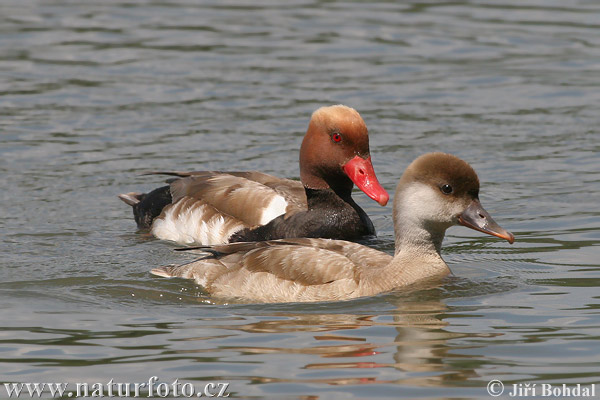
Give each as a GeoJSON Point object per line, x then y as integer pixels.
{"type": "Point", "coordinates": [281, 270]}
{"type": "Point", "coordinates": [303, 260]}
{"type": "Point", "coordinates": [248, 200]}
{"type": "Point", "coordinates": [291, 190]}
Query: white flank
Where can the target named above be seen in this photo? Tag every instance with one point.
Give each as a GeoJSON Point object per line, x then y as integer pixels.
{"type": "Point", "coordinates": [191, 226]}
{"type": "Point", "coordinates": [276, 207]}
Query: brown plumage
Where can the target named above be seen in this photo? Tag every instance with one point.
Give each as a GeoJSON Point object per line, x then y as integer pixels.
{"type": "Point", "coordinates": [436, 191]}
{"type": "Point", "coordinates": [211, 207]}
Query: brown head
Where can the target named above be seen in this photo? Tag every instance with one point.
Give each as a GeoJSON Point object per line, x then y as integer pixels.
{"type": "Point", "coordinates": [440, 190]}
{"type": "Point", "coordinates": [335, 153]}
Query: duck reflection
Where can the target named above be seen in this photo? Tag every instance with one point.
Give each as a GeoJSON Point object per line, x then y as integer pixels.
{"type": "Point", "coordinates": [413, 332]}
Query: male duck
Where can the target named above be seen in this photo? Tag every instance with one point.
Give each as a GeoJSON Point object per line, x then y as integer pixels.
{"type": "Point", "coordinates": [209, 207]}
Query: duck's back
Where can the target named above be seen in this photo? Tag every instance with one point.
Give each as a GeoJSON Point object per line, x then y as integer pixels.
{"type": "Point", "coordinates": [208, 207]}
{"type": "Point", "coordinates": [282, 270]}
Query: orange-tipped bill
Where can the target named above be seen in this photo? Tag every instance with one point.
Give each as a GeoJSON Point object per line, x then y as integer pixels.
{"type": "Point", "coordinates": [476, 217]}
{"type": "Point", "coordinates": [361, 172]}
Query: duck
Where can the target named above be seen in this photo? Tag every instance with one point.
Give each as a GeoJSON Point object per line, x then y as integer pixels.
{"type": "Point", "coordinates": [435, 192]}
{"type": "Point", "coordinates": [215, 207]}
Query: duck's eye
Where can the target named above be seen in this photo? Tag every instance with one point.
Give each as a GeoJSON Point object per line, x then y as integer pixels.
{"type": "Point", "coordinates": [336, 137]}
{"type": "Point", "coordinates": [446, 189]}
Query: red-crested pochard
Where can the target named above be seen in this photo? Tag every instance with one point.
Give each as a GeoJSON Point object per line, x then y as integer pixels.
{"type": "Point", "coordinates": [435, 192]}
{"type": "Point", "coordinates": [209, 207]}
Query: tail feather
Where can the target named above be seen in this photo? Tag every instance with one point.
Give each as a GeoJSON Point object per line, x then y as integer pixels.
{"type": "Point", "coordinates": [147, 206]}
{"type": "Point", "coordinates": [166, 271]}
{"type": "Point", "coordinates": [203, 271]}
{"type": "Point", "coordinates": [131, 198]}
{"type": "Point", "coordinates": [188, 270]}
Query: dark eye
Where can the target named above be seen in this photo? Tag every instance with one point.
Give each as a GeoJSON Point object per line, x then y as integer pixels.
{"type": "Point", "coordinates": [336, 137]}
{"type": "Point", "coordinates": [446, 189]}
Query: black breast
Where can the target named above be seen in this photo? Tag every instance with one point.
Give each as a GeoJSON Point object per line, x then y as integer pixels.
{"type": "Point", "coordinates": [329, 216]}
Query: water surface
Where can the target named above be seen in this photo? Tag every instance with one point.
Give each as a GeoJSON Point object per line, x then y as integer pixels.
{"type": "Point", "coordinates": [93, 93]}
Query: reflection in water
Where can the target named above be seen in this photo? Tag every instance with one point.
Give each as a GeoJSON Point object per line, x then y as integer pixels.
{"type": "Point", "coordinates": [413, 333]}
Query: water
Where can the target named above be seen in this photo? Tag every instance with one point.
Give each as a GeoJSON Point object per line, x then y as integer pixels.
{"type": "Point", "coordinates": [93, 93]}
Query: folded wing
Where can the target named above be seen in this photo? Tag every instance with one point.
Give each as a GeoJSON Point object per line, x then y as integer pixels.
{"type": "Point", "coordinates": [281, 270]}
{"type": "Point", "coordinates": [208, 207]}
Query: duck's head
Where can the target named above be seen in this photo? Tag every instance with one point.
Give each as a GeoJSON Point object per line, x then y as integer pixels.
{"type": "Point", "coordinates": [335, 153]}
{"type": "Point", "coordinates": [439, 190]}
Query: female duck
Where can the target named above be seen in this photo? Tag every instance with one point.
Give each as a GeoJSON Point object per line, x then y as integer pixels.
{"type": "Point", "coordinates": [435, 192]}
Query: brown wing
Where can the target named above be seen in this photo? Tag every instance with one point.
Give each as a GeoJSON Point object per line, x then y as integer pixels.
{"type": "Point", "coordinates": [355, 252]}
{"type": "Point", "coordinates": [253, 198]}
{"type": "Point", "coordinates": [282, 270]}
{"type": "Point", "coordinates": [292, 191]}
{"type": "Point", "coordinates": [303, 260]}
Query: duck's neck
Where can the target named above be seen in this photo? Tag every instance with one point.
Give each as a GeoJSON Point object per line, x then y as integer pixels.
{"type": "Point", "coordinates": [417, 253]}
{"type": "Point", "coordinates": [416, 238]}
{"type": "Point", "coordinates": [339, 183]}
{"type": "Point", "coordinates": [335, 194]}
{"type": "Point", "coordinates": [415, 225]}
{"type": "Point", "coordinates": [343, 213]}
